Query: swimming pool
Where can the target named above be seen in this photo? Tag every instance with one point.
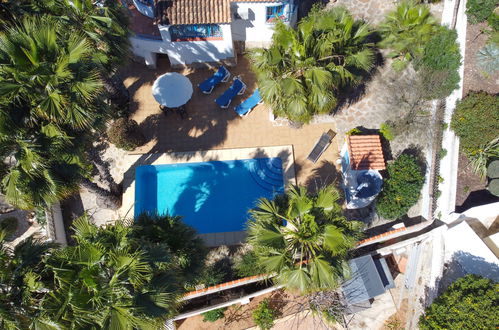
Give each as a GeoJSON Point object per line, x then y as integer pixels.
{"type": "Point", "coordinates": [211, 196]}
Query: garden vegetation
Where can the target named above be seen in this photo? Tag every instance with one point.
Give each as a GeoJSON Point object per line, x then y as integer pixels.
{"type": "Point", "coordinates": [119, 276]}
{"type": "Point", "coordinates": [471, 302]}
{"type": "Point", "coordinates": [303, 239]}
{"type": "Point", "coordinates": [302, 72]}
{"type": "Point", "coordinates": [402, 188]}
{"type": "Point", "coordinates": [264, 315]}
{"type": "Point", "coordinates": [476, 122]}
{"type": "Point", "coordinates": [56, 60]}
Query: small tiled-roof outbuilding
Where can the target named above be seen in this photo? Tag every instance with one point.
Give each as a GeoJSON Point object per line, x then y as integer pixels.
{"type": "Point", "coordinates": [365, 152]}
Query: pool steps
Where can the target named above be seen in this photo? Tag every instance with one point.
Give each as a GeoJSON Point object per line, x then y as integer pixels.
{"type": "Point", "coordinates": [268, 174]}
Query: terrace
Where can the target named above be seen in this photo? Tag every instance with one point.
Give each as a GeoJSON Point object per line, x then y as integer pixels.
{"type": "Point", "coordinates": [209, 127]}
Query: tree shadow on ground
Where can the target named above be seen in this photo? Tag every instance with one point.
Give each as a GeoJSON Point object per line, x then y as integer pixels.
{"type": "Point", "coordinates": [325, 174]}
{"type": "Point", "coordinates": [354, 93]}
{"type": "Point", "coordinates": [72, 208]}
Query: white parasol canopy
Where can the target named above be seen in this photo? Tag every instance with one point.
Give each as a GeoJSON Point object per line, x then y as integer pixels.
{"type": "Point", "coordinates": [172, 90]}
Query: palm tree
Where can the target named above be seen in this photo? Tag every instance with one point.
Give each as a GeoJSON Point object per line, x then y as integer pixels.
{"type": "Point", "coordinates": [47, 77]}
{"type": "Point", "coordinates": [39, 167]}
{"type": "Point", "coordinates": [186, 248]}
{"type": "Point", "coordinates": [103, 22]}
{"type": "Point", "coordinates": [303, 239]}
{"type": "Point", "coordinates": [405, 32]}
{"type": "Point", "coordinates": [20, 285]}
{"type": "Point", "coordinates": [50, 96]}
{"type": "Point", "coordinates": [108, 281]}
{"type": "Point", "coordinates": [300, 74]}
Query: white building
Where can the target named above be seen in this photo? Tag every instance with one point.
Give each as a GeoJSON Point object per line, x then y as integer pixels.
{"type": "Point", "coordinates": [204, 31]}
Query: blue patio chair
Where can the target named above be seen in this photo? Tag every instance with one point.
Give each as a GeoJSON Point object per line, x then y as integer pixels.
{"type": "Point", "coordinates": [247, 105]}
{"type": "Point", "coordinates": [222, 75]}
{"type": "Point", "coordinates": [237, 88]}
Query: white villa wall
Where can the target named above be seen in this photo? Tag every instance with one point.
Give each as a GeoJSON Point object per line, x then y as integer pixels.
{"type": "Point", "coordinates": [255, 31]}
{"type": "Point", "coordinates": [188, 52]}
{"type": "Point", "coordinates": [183, 52]}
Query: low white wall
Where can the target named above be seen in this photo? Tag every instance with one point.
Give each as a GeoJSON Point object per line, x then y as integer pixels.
{"type": "Point", "coordinates": [241, 300]}
{"type": "Point", "coordinates": [255, 30]}
{"type": "Point", "coordinates": [448, 165]}
{"type": "Point", "coordinates": [486, 214]}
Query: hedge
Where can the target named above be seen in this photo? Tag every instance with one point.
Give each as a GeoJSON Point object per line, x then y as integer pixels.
{"type": "Point", "coordinates": [476, 120]}
{"type": "Point", "coordinates": [471, 302]}
{"type": "Point", "coordinates": [402, 188]}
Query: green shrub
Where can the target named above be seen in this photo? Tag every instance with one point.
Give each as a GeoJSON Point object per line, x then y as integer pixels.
{"type": "Point", "coordinates": [387, 131]}
{"type": "Point", "coordinates": [487, 58]}
{"type": "Point", "coordinates": [493, 187]}
{"type": "Point", "coordinates": [471, 302]}
{"type": "Point", "coordinates": [405, 31]}
{"type": "Point", "coordinates": [41, 216]}
{"type": "Point", "coordinates": [482, 156]}
{"type": "Point", "coordinates": [439, 64]}
{"type": "Point", "coordinates": [248, 265]}
{"type": "Point", "coordinates": [211, 275]}
{"type": "Point", "coordinates": [264, 315]}
{"type": "Point", "coordinates": [402, 188]}
{"type": "Point", "coordinates": [493, 169]}
{"type": "Point", "coordinates": [8, 225]}
{"type": "Point", "coordinates": [125, 134]}
{"type": "Point", "coordinates": [354, 131]}
{"type": "Point", "coordinates": [476, 121]}
{"type": "Point", "coordinates": [213, 315]}
{"type": "Point", "coordinates": [493, 22]}
{"type": "Point", "coordinates": [480, 10]}
{"type": "Point", "coordinates": [442, 153]}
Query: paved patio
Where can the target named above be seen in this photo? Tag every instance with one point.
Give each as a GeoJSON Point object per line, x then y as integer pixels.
{"type": "Point", "coordinates": [210, 127]}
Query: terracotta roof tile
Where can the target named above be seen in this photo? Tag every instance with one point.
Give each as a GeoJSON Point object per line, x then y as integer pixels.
{"type": "Point", "coordinates": [183, 12]}
{"type": "Point", "coordinates": [366, 152]}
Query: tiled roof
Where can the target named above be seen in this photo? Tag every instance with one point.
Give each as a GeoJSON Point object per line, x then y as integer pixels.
{"type": "Point", "coordinates": [178, 12]}
{"type": "Point", "coordinates": [365, 152]}
{"type": "Point", "coordinates": [256, 0]}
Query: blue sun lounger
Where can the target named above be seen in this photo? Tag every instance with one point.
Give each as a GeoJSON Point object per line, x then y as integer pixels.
{"type": "Point", "coordinates": [222, 75]}
{"type": "Point", "coordinates": [237, 88]}
{"type": "Point", "coordinates": [321, 145]}
{"type": "Point", "coordinates": [247, 105]}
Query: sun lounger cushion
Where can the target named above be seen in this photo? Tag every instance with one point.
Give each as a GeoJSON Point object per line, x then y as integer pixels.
{"type": "Point", "coordinates": [236, 88]}
{"type": "Point", "coordinates": [321, 146]}
{"type": "Point", "coordinates": [247, 105]}
{"type": "Point", "coordinates": [208, 85]}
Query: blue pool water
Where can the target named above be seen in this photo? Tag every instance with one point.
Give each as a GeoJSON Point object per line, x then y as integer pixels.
{"type": "Point", "coordinates": [211, 196]}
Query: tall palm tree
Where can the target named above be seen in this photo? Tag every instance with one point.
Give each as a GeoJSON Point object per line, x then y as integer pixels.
{"type": "Point", "coordinates": [49, 99]}
{"type": "Point", "coordinates": [39, 167]}
{"type": "Point", "coordinates": [186, 248]}
{"type": "Point", "coordinates": [300, 74]}
{"type": "Point", "coordinates": [405, 31]}
{"type": "Point", "coordinates": [46, 76]}
{"type": "Point", "coordinates": [20, 285]}
{"type": "Point", "coordinates": [108, 281]}
{"type": "Point", "coordinates": [303, 239]}
{"type": "Point", "coordinates": [103, 22]}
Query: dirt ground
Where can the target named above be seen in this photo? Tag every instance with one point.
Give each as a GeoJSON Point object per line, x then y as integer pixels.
{"type": "Point", "coordinates": [470, 188]}
{"type": "Point", "coordinates": [239, 316]}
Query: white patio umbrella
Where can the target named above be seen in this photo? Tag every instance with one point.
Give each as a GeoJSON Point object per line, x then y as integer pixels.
{"type": "Point", "coordinates": [172, 90]}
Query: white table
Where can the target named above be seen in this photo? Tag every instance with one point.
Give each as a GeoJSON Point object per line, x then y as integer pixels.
{"type": "Point", "coordinates": [172, 90]}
